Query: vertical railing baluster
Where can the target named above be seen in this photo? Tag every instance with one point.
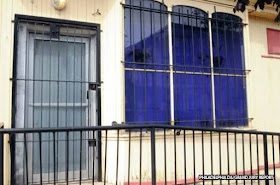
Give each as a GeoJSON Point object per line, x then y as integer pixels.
{"type": "Point", "coordinates": [117, 162]}
{"type": "Point", "coordinates": [235, 151]}
{"type": "Point", "coordinates": [26, 158]}
{"type": "Point", "coordinates": [251, 165]}
{"type": "Point", "coordinates": [81, 153]}
{"type": "Point", "coordinates": [54, 161]}
{"type": "Point", "coordinates": [129, 148]}
{"type": "Point", "coordinates": [265, 158]}
{"type": "Point", "coordinates": [278, 149]}
{"type": "Point", "coordinates": [40, 157]}
{"type": "Point", "coordinates": [140, 161]}
{"type": "Point", "coordinates": [153, 156]}
{"type": "Point", "coordinates": [258, 163]}
{"type": "Point", "coordinates": [194, 175]}
{"type": "Point", "coordinates": [185, 158]}
{"type": "Point", "coordinates": [243, 156]}
{"type": "Point", "coordinates": [202, 142]}
{"type": "Point", "coordinates": [165, 167]}
{"type": "Point", "coordinates": [273, 158]}
{"type": "Point", "coordinates": [93, 157]}
{"type": "Point", "coordinates": [220, 156]}
{"type": "Point", "coordinates": [2, 158]}
{"type": "Point", "coordinates": [99, 154]}
{"type": "Point", "coordinates": [211, 153]}
{"type": "Point", "coordinates": [175, 157]}
{"type": "Point", "coordinates": [105, 161]}
{"type": "Point", "coordinates": [228, 157]}
{"type": "Point", "coordinates": [67, 157]}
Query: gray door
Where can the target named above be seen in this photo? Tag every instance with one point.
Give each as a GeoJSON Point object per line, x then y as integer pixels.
{"type": "Point", "coordinates": [53, 77]}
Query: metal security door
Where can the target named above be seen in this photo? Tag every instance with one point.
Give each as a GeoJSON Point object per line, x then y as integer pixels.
{"type": "Point", "coordinates": [55, 85]}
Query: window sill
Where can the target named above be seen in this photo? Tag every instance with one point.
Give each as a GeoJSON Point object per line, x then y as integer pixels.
{"type": "Point", "coordinates": [135, 135]}
{"type": "Point", "coordinates": [270, 56]}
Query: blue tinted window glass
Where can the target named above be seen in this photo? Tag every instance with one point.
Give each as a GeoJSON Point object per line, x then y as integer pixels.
{"type": "Point", "coordinates": [228, 46]}
{"type": "Point", "coordinates": [190, 35]}
{"type": "Point", "coordinates": [230, 97]}
{"type": "Point", "coordinates": [193, 100]}
{"type": "Point", "coordinates": [147, 97]}
{"type": "Point", "coordinates": [228, 60]}
{"type": "Point", "coordinates": [146, 35]}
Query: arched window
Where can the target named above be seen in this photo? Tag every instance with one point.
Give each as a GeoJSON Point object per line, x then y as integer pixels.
{"type": "Point", "coordinates": [146, 62]}
{"type": "Point", "coordinates": [192, 67]}
{"type": "Point", "coordinates": [229, 70]}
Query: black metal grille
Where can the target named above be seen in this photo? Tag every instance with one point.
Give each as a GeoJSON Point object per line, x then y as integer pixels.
{"type": "Point", "coordinates": [56, 83]}
{"type": "Point", "coordinates": [203, 84]}
{"type": "Point", "coordinates": [154, 154]}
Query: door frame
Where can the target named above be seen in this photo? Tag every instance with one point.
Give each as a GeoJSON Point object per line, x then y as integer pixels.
{"type": "Point", "coordinates": [93, 26]}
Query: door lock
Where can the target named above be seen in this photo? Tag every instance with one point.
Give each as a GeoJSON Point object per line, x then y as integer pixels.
{"type": "Point", "coordinates": [92, 142]}
{"type": "Point", "coordinates": [92, 86]}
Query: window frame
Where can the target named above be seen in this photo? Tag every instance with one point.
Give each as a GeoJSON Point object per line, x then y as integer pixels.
{"type": "Point", "coordinates": [146, 69]}
{"type": "Point", "coordinates": [269, 42]}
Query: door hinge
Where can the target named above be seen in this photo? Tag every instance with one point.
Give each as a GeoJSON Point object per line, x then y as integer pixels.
{"type": "Point", "coordinates": [54, 31]}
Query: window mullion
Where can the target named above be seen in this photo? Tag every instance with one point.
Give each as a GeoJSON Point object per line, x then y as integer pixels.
{"type": "Point", "coordinates": [171, 66]}
{"type": "Point", "coordinates": [212, 72]}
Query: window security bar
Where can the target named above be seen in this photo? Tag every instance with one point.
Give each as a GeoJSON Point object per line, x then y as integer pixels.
{"type": "Point", "coordinates": [177, 14]}
{"type": "Point", "coordinates": [184, 68]}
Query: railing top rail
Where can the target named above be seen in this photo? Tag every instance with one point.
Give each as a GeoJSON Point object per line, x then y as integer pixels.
{"type": "Point", "coordinates": [130, 127]}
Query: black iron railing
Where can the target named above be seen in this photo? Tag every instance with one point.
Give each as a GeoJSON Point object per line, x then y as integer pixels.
{"type": "Point", "coordinates": [1, 156]}
{"type": "Point", "coordinates": [150, 154]}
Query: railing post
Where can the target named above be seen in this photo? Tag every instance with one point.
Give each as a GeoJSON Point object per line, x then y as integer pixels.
{"type": "Point", "coordinates": [265, 158]}
{"type": "Point", "coordinates": [1, 157]}
{"type": "Point", "coordinates": [153, 156]}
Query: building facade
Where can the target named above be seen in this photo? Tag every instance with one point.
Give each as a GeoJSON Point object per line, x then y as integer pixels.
{"type": "Point", "coordinates": [189, 63]}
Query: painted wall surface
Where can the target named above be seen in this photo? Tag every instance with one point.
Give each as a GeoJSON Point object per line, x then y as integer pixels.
{"type": "Point", "coordinates": [265, 77]}
{"type": "Point", "coordinates": [263, 91]}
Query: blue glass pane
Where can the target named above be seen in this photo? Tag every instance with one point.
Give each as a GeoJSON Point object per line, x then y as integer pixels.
{"type": "Point", "coordinates": [193, 100]}
{"type": "Point", "coordinates": [228, 45]}
{"type": "Point", "coordinates": [146, 36]}
{"type": "Point", "coordinates": [231, 101]}
{"type": "Point", "coordinates": [147, 96]}
{"type": "Point", "coordinates": [191, 51]}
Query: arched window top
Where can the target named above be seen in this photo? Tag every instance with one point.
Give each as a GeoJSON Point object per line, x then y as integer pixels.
{"type": "Point", "coordinates": [189, 16]}
{"type": "Point", "coordinates": [226, 21]}
{"type": "Point", "coordinates": [221, 16]}
{"type": "Point", "coordinates": [188, 10]}
{"type": "Point", "coordinates": [147, 4]}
